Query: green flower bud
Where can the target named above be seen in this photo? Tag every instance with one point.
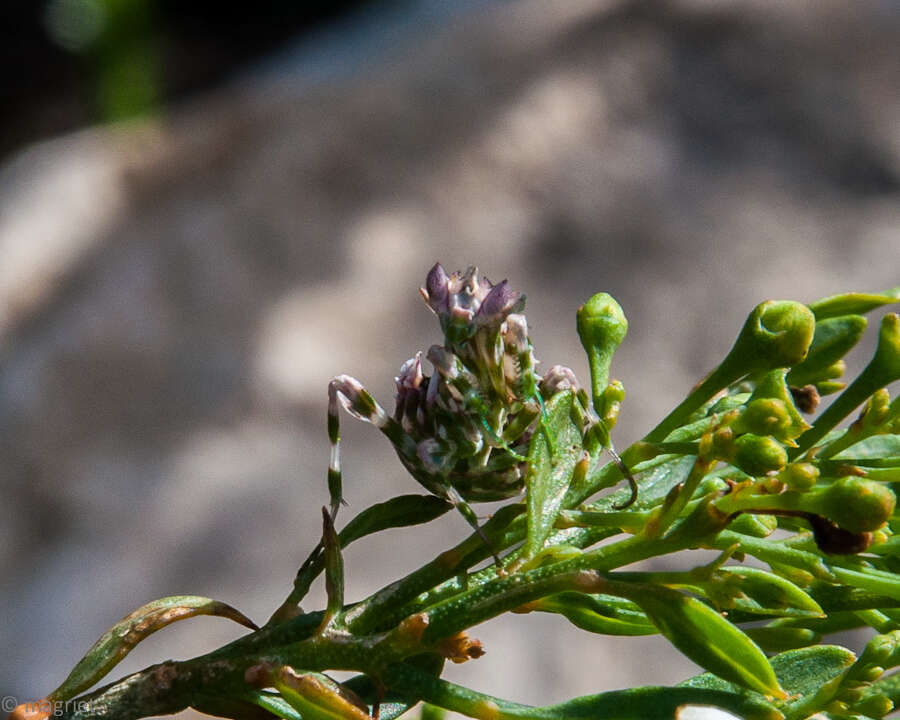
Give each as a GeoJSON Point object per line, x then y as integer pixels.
{"type": "Point", "coordinates": [602, 327]}
{"type": "Point", "coordinates": [874, 706]}
{"type": "Point", "coordinates": [832, 372]}
{"type": "Point", "coordinates": [829, 387]}
{"type": "Point", "coordinates": [759, 455]}
{"type": "Point", "coordinates": [857, 504]}
{"type": "Point", "coordinates": [777, 334]}
{"type": "Point", "coordinates": [717, 445]}
{"type": "Point", "coordinates": [799, 476]}
{"type": "Point", "coordinates": [877, 410]}
{"type": "Point", "coordinates": [765, 416]}
{"type": "Point", "coordinates": [611, 403]}
{"type": "Point", "coordinates": [871, 674]}
{"type": "Point", "coordinates": [771, 410]}
{"type": "Point", "coordinates": [879, 649]}
{"type": "Point", "coordinates": [887, 354]}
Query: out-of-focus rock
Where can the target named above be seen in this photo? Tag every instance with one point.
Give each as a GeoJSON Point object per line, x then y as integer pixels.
{"type": "Point", "coordinates": [175, 296]}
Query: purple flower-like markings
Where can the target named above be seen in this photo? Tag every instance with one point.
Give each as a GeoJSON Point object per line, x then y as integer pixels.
{"type": "Point", "coordinates": [463, 432]}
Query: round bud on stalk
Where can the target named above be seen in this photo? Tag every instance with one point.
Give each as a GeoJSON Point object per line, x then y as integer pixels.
{"type": "Point", "coordinates": [765, 416]}
{"type": "Point", "coordinates": [777, 334]}
{"type": "Point", "coordinates": [857, 504]}
{"type": "Point", "coordinates": [799, 476]}
{"type": "Point", "coordinates": [602, 327]}
{"type": "Point", "coordinates": [759, 455]}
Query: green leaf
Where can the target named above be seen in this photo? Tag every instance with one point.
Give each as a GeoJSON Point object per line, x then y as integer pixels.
{"type": "Point", "coordinates": [834, 598]}
{"type": "Point", "coordinates": [432, 712]}
{"type": "Point", "coordinates": [401, 511]}
{"type": "Point", "coordinates": [835, 622]}
{"type": "Point", "coordinates": [805, 671]}
{"type": "Point", "coordinates": [776, 639]}
{"type": "Point", "coordinates": [872, 448]}
{"type": "Point", "coordinates": [760, 592]}
{"type": "Point", "coordinates": [706, 637]}
{"type": "Point", "coordinates": [866, 578]}
{"type": "Point", "coordinates": [834, 337]}
{"type": "Point", "coordinates": [274, 703]}
{"type": "Point", "coordinates": [665, 472]}
{"type": "Point", "coordinates": [657, 703]}
{"type": "Point", "coordinates": [318, 697]}
{"type": "Point", "coordinates": [122, 637]}
{"type": "Point", "coordinates": [852, 303]}
{"type": "Point", "coordinates": [550, 470]}
{"type": "Point", "coordinates": [889, 686]}
{"type": "Point", "coordinates": [645, 703]}
{"type": "Point", "coordinates": [603, 614]}
{"type": "Point", "coordinates": [800, 672]}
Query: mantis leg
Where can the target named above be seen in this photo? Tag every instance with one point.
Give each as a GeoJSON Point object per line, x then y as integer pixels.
{"type": "Point", "coordinates": [357, 401]}
{"type": "Point", "coordinates": [469, 514]}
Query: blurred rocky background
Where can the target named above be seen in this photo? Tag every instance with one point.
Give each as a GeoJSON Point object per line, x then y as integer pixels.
{"type": "Point", "coordinates": [177, 288]}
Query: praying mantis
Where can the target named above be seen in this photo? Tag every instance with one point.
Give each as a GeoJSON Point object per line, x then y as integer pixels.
{"type": "Point", "coordinates": [463, 432]}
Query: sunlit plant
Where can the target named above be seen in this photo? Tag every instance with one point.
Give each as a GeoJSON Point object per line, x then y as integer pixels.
{"type": "Point", "coordinates": [735, 461]}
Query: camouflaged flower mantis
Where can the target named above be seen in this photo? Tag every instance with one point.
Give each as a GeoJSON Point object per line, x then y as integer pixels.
{"type": "Point", "coordinates": [464, 431]}
{"type": "Point", "coordinates": [731, 464]}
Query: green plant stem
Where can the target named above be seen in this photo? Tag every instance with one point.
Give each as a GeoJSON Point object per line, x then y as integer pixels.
{"type": "Point", "coordinates": [773, 552]}
{"type": "Point", "coordinates": [715, 382]}
{"type": "Point", "coordinates": [883, 369]}
{"type": "Point", "coordinates": [643, 703]}
{"type": "Point", "coordinates": [502, 530]}
{"type": "Point", "coordinates": [505, 593]}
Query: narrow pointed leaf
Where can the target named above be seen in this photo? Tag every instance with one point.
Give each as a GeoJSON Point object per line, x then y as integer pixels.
{"type": "Point", "coordinates": [802, 673]}
{"type": "Point", "coordinates": [550, 470]}
{"type": "Point", "coordinates": [644, 703]}
{"type": "Point", "coordinates": [707, 638]}
{"type": "Point", "coordinates": [318, 697]}
{"type": "Point", "coordinates": [275, 704]}
{"type": "Point", "coordinates": [662, 474]}
{"type": "Point", "coordinates": [760, 592]}
{"type": "Point", "coordinates": [658, 703]}
{"type": "Point", "coordinates": [876, 447]}
{"type": "Point", "coordinates": [834, 337]}
{"type": "Point", "coordinates": [848, 303]}
{"type": "Point", "coordinates": [122, 637]}
{"type": "Point", "coordinates": [401, 511]}
{"type": "Point", "coordinates": [776, 639]}
{"type": "Point", "coordinates": [805, 671]}
{"type": "Point", "coordinates": [602, 614]}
